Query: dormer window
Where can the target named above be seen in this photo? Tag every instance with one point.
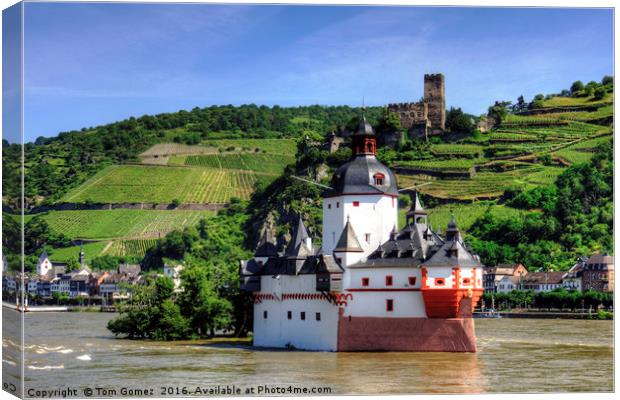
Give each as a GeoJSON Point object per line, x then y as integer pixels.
{"type": "Point", "coordinates": [379, 179]}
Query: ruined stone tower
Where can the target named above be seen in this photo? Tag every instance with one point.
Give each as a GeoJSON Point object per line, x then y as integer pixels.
{"type": "Point", "coordinates": [427, 117]}
{"type": "Point", "coordinates": [435, 97]}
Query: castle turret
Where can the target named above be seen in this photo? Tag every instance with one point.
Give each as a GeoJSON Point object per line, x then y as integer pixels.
{"type": "Point", "coordinates": [416, 214]}
{"type": "Point", "coordinates": [301, 243]}
{"type": "Point", "coordinates": [348, 249]}
{"type": "Point", "coordinates": [366, 191]}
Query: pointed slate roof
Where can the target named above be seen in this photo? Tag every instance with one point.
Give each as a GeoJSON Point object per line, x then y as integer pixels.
{"type": "Point", "coordinates": [364, 127]}
{"type": "Point", "coordinates": [266, 246]}
{"type": "Point", "coordinates": [416, 206]}
{"type": "Point", "coordinates": [348, 242]}
{"type": "Point", "coordinates": [453, 230]}
{"type": "Point", "coordinates": [297, 246]}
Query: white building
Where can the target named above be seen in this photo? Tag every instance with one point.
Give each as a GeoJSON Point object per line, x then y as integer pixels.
{"type": "Point", "coordinates": [174, 272]}
{"type": "Point", "coordinates": [44, 265]}
{"type": "Point", "coordinates": [369, 287]}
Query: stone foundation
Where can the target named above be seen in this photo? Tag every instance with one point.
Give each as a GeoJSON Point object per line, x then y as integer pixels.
{"type": "Point", "coordinates": [406, 334]}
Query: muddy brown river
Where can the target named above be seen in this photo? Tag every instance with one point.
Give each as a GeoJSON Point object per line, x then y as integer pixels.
{"type": "Point", "coordinates": [74, 352]}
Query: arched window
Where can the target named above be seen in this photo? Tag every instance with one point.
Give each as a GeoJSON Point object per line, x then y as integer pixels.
{"type": "Point", "coordinates": [379, 178]}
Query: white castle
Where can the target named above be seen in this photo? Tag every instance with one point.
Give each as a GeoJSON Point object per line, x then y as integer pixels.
{"type": "Point", "coordinates": [369, 287]}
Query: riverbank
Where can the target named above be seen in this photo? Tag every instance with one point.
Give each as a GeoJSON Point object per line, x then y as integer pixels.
{"type": "Point", "coordinates": [542, 315]}
{"type": "Point", "coordinates": [59, 308]}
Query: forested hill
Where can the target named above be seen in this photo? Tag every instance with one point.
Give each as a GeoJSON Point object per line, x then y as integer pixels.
{"type": "Point", "coordinates": [55, 165]}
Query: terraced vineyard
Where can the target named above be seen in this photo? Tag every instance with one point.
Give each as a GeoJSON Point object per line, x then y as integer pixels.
{"type": "Point", "coordinates": [121, 223]}
{"type": "Point", "coordinates": [457, 149]}
{"type": "Point", "coordinates": [259, 162]}
{"type": "Point", "coordinates": [440, 165]}
{"type": "Point", "coordinates": [155, 184]}
{"type": "Point", "coordinates": [133, 248]}
{"type": "Point", "coordinates": [484, 185]}
{"type": "Point", "coordinates": [273, 146]}
{"type": "Point", "coordinates": [582, 151]}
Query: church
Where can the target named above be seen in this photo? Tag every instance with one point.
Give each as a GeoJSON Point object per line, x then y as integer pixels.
{"type": "Point", "coordinates": [370, 286]}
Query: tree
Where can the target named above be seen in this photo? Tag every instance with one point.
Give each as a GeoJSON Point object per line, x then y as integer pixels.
{"type": "Point", "coordinates": [538, 102]}
{"type": "Point", "coordinates": [521, 105]}
{"type": "Point", "coordinates": [498, 111]}
{"type": "Point", "coordinates": [152, 313]}
{"type": "Point", "coordinates": [590, 88]}
{"type": "Point", "coordinates": [599, 93]}
{"type": "Point", "coordinates": [576, 87]}
{"type": "Point", "coordinates": [388, 123]}
{"type": "Point", "coordinates": [607, 80]}
{"type": "Point", "coordinates": [72, 264]}
{"type": "Point", "coordinates": [199, 300]}
{"type": "Point", "coordinates": [457, 121]}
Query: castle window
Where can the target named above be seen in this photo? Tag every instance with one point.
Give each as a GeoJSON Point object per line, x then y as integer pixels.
{"type": "Point", "coordinates": [365, 281]}
{"type": "Point", "coordinates": [302, 315]}
{"type": "Point", "coordinates": [388, 280]}
{"type": "Point", "coordinates": [439, 281]}
{"type": "Point", "coordinates": [379, 179]}
{"type": "Point", "coordinates": [389, 305]}
{"type": "Point", "coordinates": [466, 281]}
{"type": "Point", "coordinates": [329, 206]}
{"type": "Point", "coordinates": [337, 204]}
{"type": "Point", "coordinates": [265, 314]}
{"type": "Point", "coordinates": [289, 314]}
{"type": "Point", "coordinates": [339, 260]}
{"type": "Point", "coordinates": [367, 237]}
{"type": "Point", "coordinates": [318, 316]}
{"type": "Point", "coordinates": [412, 280]}
{"type": "Point", "coordinates": [356, 204]}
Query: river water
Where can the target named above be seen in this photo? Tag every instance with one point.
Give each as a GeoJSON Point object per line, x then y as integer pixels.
{"type": "Point", "coordinates": [75, 350]}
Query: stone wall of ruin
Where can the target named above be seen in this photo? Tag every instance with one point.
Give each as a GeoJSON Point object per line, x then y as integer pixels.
{"type": "Point", "coordinates": [410, 113]}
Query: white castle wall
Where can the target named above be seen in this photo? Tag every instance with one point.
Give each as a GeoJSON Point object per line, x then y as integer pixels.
{"type": "Point", "coordinates": [278, 331]}
{"type": "Point", "coordinates": [376, 215]}
{"type": "Point", "coordinates": [371, 300]}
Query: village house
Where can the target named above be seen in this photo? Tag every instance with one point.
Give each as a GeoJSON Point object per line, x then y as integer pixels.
{"type": "Point", "coordinates": [573, 279]}
{"type": "Point", "coordinates": [598, 273]}
{"type": "Point", "coordinates": [543, 281]}
{"type": "Point", "coordinates": [110, 287]}
{"type": "Point", "coordinates": [504, 277]}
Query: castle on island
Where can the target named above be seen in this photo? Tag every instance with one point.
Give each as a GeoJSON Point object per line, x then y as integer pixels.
{"type": "Point", "coordinates": [369, 286]}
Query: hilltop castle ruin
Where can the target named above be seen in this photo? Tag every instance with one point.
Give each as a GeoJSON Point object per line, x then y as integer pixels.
{"type": "Point", "coordinates": [428, 116]}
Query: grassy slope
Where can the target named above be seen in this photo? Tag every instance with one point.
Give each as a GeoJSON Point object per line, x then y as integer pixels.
{"type": "Point", "coordinates": [465, 214]}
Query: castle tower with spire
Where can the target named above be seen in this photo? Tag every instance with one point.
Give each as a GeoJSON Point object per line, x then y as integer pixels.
{"type": "Point", "coordinates": [365, 192]}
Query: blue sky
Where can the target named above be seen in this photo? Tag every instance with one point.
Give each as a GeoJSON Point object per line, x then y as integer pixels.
{"type": "Point", "coordinates": [90, 64]}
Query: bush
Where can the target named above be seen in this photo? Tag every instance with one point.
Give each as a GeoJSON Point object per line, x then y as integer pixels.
{"type": "Point", "coordinates": [599, 93]}
{"type": "Point", "coordinates": [577, 86]}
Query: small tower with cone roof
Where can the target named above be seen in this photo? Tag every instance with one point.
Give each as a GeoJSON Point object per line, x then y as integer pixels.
{"type": "Point", "coordinates": [348, 250]}
{"type": "Point", "coordinates": [417, 214]}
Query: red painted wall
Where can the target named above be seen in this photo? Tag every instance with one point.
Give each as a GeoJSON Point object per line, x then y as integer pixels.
{"type": "Point", "coordinates": [406, 334]}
